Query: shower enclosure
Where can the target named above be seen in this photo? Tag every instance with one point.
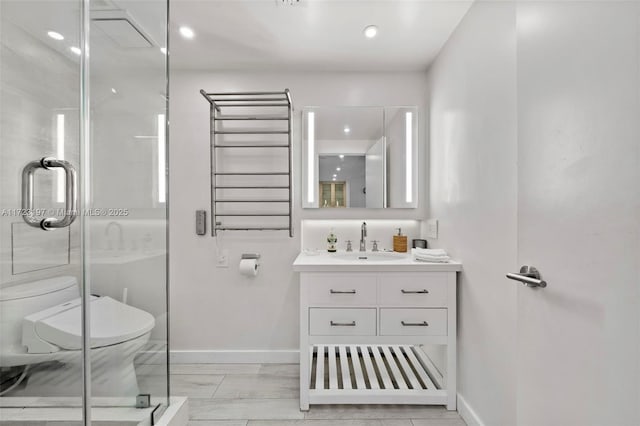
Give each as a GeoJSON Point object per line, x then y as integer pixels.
{"type": "Point", "coordinates": [83, 211]}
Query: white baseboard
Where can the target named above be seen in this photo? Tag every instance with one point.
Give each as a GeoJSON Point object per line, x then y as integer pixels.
{"type": "Point", "coordinates": [467, 413]}
{"type": "Point", "coordinates": [236, 357]}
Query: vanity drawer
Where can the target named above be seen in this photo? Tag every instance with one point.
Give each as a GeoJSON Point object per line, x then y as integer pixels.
{"type": "Point", "coordinates": [341, 289]}
{"type": "Point", "coordinates": [413, 322]}
{"type": "Point", "coordinates": [413, 289]}
{"type": "Point", "coordinates": [342, 322]}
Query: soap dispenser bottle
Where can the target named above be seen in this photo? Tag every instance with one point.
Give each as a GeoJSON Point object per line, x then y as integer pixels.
{"type": "Point", "coordinates": [400, 242]}
{"type": "Point", "coordinates": [331, 242]}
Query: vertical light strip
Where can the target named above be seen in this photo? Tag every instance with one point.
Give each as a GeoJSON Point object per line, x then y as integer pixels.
{"type": "Point", "coordinates": [162, 161]}
{"type": "Point", "coordinates": [60, 184]}
{"type": "Point", "coordinates": [311, 142]}
{"type": "Point", "coordinates": [409, 156]}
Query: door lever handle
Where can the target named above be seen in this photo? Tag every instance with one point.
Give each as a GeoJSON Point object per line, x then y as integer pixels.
{"type": "Point", "coordinates": [528, 275]}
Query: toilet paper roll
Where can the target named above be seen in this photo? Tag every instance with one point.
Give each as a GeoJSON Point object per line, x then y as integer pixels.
{"type": "Point", "coordinates": [249, 267]}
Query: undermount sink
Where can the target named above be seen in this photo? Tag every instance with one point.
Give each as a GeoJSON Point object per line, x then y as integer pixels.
{"type": "Point", "coordinates": [379, 256]}
{"type": "Point", "coordinates": [310, 260]}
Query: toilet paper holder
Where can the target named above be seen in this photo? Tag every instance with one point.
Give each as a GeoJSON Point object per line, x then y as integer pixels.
{"type": "Point", "coordinates": [250, 256]}
{"type": "Point", "coordinates": [249, 263]}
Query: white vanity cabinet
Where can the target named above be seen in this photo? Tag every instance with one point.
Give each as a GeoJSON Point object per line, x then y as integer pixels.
{"type": "Point", "coordinates": [362, 330]}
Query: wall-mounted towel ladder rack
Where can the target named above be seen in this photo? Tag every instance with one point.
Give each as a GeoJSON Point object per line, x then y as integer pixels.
{"type": "Point", "coordinates": [241, 122]}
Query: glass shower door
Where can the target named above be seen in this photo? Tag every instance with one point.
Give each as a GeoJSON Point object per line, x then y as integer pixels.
{"type": "Point", "coordinates": [87, 225]}
{"type": "Point", "coordinates": [126, 251]}
{"type": "Point", "coordinates": [40, 236]}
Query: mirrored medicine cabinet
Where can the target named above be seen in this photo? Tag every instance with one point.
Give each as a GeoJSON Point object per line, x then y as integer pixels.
{"type": "Point", "coordinates": [360, 157]}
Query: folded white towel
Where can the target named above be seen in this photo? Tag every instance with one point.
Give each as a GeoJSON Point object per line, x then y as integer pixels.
{"type": "Point", "coordinates": [430, 255]}
{"type": "Point", "coordinates": [429, 252]}
{"type": "Point", "coordinates": [421, 256]}
{"type": "Point", "coordinates": [437, 259]}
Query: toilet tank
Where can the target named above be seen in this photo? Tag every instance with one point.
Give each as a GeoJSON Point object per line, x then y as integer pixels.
{"type": "Point", "coordinates": [20, 300]}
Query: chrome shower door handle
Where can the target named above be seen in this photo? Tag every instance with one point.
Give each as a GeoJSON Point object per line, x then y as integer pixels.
{"type": "Point", "coordinates": [528, 275]}
{"type": "Point", "coordinates": [71, 194]}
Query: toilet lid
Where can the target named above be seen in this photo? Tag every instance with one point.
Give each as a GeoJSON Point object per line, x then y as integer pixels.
{"type": "Point", "coordinates": [112, 322]}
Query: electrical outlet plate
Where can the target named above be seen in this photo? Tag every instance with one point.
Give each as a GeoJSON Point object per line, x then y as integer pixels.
{"type": "Point", "coordinates": [432, 228]}
{"type": "Point", "coordinates": [223, 258]}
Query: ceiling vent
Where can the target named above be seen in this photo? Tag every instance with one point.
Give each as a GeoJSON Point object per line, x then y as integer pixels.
{"type": "Point", "coordinates": [121, 28]}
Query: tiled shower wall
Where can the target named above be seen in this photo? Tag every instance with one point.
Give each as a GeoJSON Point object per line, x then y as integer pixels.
{"type": "Point", "coordinates": [27, 133]}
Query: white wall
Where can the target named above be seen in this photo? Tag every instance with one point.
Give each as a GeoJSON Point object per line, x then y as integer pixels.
{"type": "Point", "coordinates": [473, 148]}
{"type": "Point", "coordinates": [535, 160]}
{"type": "Point", "coordinates": [215, 308]}
{"type": "Point", "coordinates": [36, 84]}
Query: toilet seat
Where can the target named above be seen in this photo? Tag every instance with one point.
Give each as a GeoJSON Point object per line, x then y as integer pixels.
{"type": "Point", "coordinates": [37, 288]}
{"type": "Point", "coordinates": [60, 327]}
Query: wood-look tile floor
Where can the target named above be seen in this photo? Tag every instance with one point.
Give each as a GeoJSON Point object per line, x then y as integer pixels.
{"type": "Point", "coordinates": [267, 395]}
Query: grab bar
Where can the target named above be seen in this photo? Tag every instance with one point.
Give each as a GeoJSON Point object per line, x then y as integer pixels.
{"type": "Point", "coordinates": [71, 194]}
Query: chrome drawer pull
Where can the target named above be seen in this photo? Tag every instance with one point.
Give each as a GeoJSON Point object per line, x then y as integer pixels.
{"type": "Point", "coordinates": [332, 291]}
{"type": "Point", "coordinates": [425, 291]}
{"type": "Point", "coordinates": [415, 324]}
{"type": "Point", "coordinates": [343, 324]}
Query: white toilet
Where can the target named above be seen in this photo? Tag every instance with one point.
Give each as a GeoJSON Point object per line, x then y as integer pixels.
{"type": "Point", "coordinates": [41, 321]}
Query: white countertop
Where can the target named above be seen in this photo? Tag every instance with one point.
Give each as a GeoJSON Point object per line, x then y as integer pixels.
{"type": "Point", "coordinates": [322, 261]}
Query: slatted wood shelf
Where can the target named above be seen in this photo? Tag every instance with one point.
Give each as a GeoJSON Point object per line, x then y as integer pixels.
{"type": "Point", "coordinates": [373, 374]}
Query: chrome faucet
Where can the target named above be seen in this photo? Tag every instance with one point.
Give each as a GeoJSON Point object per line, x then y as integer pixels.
{"type": "Point", "coordinates": [120, 237]}
{"type": "Point", "coordinates": [363, 236]}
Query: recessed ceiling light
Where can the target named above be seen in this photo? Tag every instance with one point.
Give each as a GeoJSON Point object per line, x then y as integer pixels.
{"type": "Point", "coordinates": [333, 179]}
{"type": "Point", "coordinates": [113, 90]}
{"type": "Point", "coordinates": [76, 50]}
{"type": "Point", "coordinates": [370, 31]}
{"type": "Point", "coordinates": [56, 36]}
{"type": "Point", "coordinates": [335, 176]}
{"type": "Point", "coordinates": [341, 156]}
{"type": "Point", "coordinates": [187, 32]}
{"type": "Point", "coordinates": [347, 129]}
{"type": "Point", "coordinates": [163, 50]}
{"type": "Point", "coordinates": [337, 169]}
